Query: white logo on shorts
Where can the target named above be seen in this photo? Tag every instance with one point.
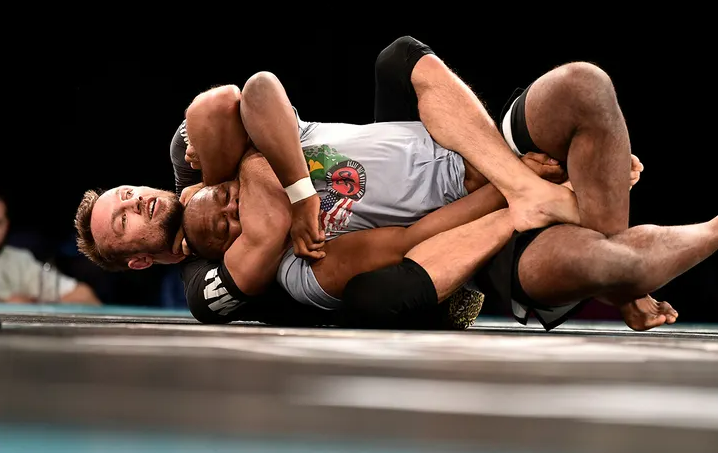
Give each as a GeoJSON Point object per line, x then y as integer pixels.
{"type": "Point", "coordinates": [214, 289]}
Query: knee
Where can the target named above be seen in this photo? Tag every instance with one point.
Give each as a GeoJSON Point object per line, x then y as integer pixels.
{"type": "Point", "coordinates": [582, 74]}
{"type": "Point", "coordinates": [622, 267]}
{"type": "Point", "coordinates": [638, 276]}
{"type": "Point", "coordinates": [394, 57]}
{"type": "Point", "coordinates": [257, 85]}
{"type": "Point", "coordinates": [214, 103]}
{"type": "Point", "coordinates": [585, 85]}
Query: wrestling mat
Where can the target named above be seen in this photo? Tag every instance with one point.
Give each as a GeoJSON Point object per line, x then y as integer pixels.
{"type": "Point", "coordinates": [137, 380]}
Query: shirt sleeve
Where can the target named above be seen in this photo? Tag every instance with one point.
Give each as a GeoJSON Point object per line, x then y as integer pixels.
{"type": "Point", "coordinates": [212, 296]}
{"type": "Point", "coordinates": [185, 175]}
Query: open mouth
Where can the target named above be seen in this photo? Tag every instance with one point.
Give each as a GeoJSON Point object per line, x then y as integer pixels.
{"type": "Point", "coordinates": [152, 207]}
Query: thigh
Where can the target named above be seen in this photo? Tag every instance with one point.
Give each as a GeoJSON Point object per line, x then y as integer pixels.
{"type": "Point", "coordinates": [563, 264]}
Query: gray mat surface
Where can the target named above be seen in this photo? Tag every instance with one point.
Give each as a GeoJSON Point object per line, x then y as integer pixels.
{"type": "Point", "coordinates": [499, 387]}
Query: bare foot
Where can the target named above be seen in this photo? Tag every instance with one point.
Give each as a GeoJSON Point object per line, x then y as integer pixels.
{"type": "Point", "coordinates": [647, 313]}
{"type": "Point", "coordinates": [549, 204]}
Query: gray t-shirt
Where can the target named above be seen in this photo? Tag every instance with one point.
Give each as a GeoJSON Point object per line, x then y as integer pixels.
{"type": "Point", "coordinates": [370, 176]}
{"type": "Point", "coordinates": [379, 174]}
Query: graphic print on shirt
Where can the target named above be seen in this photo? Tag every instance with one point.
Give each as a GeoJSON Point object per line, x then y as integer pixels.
{"type": "Point", "coordinates": [340, 182]}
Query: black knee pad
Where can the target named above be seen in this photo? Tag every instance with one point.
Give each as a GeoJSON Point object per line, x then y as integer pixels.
{"type": "Point", "coordinates": [399, 58]}
{"type": "Point", "coordinates": [381, 298]}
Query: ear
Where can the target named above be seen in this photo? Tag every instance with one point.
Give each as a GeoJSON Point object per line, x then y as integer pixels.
{"type": "Point", "coordinates": [140, 262]}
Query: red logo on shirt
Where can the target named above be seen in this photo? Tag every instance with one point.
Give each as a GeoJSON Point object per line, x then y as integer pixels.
{"type": "Point", "coordinates": [347, 179]}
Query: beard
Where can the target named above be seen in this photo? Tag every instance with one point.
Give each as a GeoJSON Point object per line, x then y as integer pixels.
{"type": "Point", "coordinates": [169, 226]}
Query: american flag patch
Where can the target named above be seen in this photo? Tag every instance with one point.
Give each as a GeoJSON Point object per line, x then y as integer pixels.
{"type": "Point", "coordinates": [335, 213]}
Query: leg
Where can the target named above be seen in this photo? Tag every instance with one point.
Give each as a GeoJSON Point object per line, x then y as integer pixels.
{"type": "Point", "coordinates": [389, 245]}
{"type": "Point", "coordinates": [572, 114]}
{"type": "Point", "coordinates": [429, 273]}
{"type": "Point", "coordinates": [452, 257]}
{"type": "Point", "coordinates": [566, 263]}
{"type": "Point", "coordinates": [457, 120]}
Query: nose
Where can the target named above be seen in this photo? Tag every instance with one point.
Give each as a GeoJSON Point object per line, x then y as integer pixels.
{"type": "Point", "coordinates": [231, 208]}
{"type": "Point", "coordinates": [134, 204]}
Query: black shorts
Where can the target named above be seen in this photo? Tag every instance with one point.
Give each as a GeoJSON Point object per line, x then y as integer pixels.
{"type": "Point", "coordinates": [394, 95]}
{"type": "Point", "coordinates": [499, 279]}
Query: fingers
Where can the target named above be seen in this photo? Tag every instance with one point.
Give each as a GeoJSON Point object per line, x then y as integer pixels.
{"type": "Point", "coordinates": [636, 164]}
{"type": "Point", "coordinates": [313, 243]}
{"type": "Point", "coordinates": [302, 250]}
{"type": "Point", "coordinates": [318, 236]}
{"type": "Point", "coordinates": [555, 174]}
{"type": "Point", "coordinates": [190, 156]}
{"type": "Point", "coordinates": [312, 239]}
{"type": "Point", "coordinates": [541, 158]}
{"type": "Point", "coordinates": [308, 243]}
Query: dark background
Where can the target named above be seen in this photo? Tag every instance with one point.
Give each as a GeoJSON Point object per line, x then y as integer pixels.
{"type": "Point", "coordinates": [102, 115]}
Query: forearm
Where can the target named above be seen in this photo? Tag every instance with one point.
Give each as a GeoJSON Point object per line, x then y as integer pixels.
{"type": "Point", "coordinates": [270, 121]}
{"type": "Point", "coordinates": [453, 256]}
{"type": "Point", "coordinates": [477, 204]}
{"type": "Point", "coordinates": [377, 247]}
{"type": "Point", "coordinates": [253, 258]}
{"type": "Point", "coordinates": [389, 245]}
{"type": "Point", "coordinates": [253, 265]}
{"type": "Point", "coordinates": [216, 133]}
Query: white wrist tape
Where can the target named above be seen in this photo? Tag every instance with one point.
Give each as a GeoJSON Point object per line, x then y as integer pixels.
{"type": "Point", "coordinates": [300, 190]}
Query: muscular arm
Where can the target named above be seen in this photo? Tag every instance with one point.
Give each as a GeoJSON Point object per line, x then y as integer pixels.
{"type": "Point", "coordinates": [271, 123]}
{"type": "Point", "coordinates": [222, 121]}
{"type": "Point", "coordinates": [216, 134]}
{"type": "Point", "coordinates": [389, 245]}
{"type": "Point", "coordinates": [253, 258]}
{"type": "Point", "coordinates": [272, 126]}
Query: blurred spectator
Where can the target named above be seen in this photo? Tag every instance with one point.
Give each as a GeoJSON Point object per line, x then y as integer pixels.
{"type": "Point", "coordinates": [24, 279]}
{"type": "Point", "coordinates": [130, 289]}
